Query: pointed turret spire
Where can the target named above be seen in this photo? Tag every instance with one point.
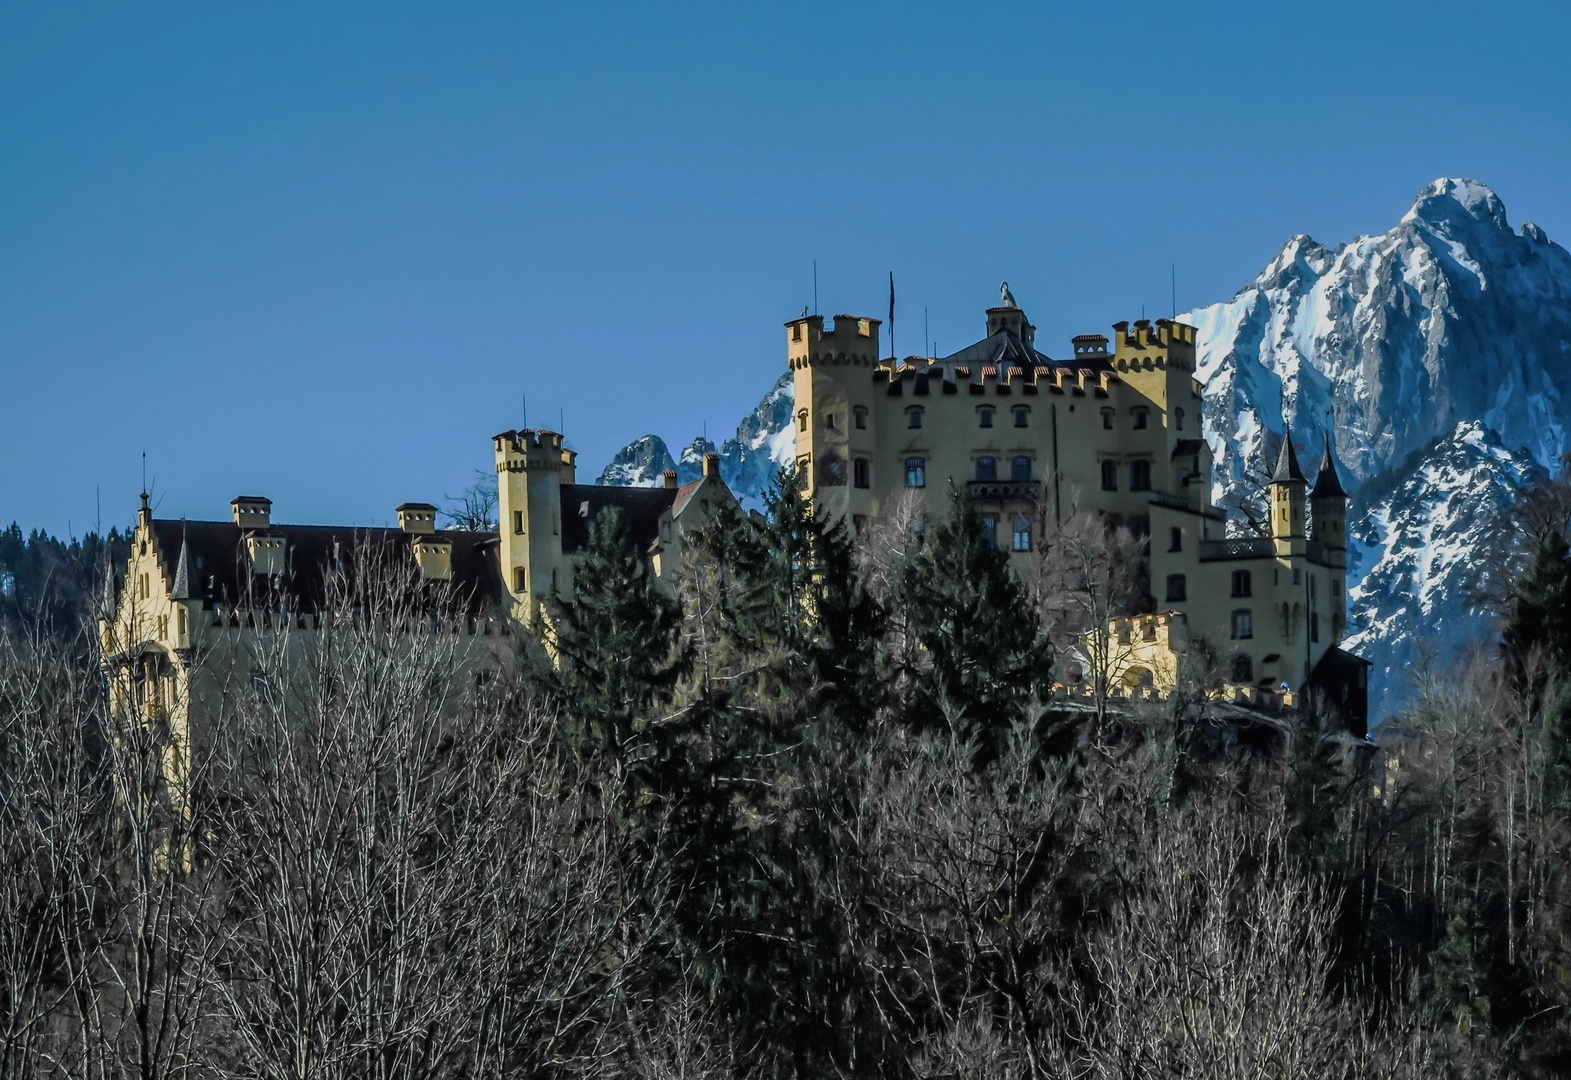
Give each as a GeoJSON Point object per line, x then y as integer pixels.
{"type": "Point", "coordinates": [1287, 463]}
{"type": "Point", "coordinates": [1328, 484]}
{"type": "Point", "coordinates": [182, 585]}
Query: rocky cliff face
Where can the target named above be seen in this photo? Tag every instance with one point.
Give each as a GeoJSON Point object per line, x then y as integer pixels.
{"type": "Point", "coordinates": [1440, 354]}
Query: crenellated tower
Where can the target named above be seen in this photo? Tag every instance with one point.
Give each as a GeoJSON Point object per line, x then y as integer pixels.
{"type": "Point", "coordinates": [530, 466]}
{"type": "Point", "coordinates": [834, 419]}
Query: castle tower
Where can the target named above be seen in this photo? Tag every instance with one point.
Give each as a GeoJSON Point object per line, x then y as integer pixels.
{"type": "Point", "coordinates": [529, 468]}
{"type": "Point", "coordinates": [1287, 501]}
{"type": "Point", "coordinates": [1159, 361]}
{"type": "Point", "coordinates": [1328, 502]}
{"type": "Point", "coordinates": [833, 376]}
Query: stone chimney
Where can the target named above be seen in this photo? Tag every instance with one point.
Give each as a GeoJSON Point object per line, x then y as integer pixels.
{"type": "Point", "coordinates": [669, 476]}
{"type": "Point", "coordinates": [417, 518]}
{"type": "Point", "coordinates": [252, 511]}
{"type": "Point", "coordinates": [711, 464]}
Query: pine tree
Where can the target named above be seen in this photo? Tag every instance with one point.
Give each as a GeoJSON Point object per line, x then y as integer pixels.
{"type": "Point", "coordinates": [1315, 794]}
{"type": "Point", "coordinates": [987, 655]}
{"type": "Point", "coordinates": [1539, 613]}
{"type": "Point", "coordinates": [616, 643]}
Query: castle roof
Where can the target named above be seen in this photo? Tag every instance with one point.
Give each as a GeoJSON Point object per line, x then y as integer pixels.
{"type": "Point", "coordinates": [1003, 348]}
{"type": "Point", "coordinates": [213, 561]}
{"type": "Point", "coordinates": [1287, 463]}
{"type": "Point", "coordinates": [1328, 484]}
{"type": "Point", "coordinates": [642, 507]}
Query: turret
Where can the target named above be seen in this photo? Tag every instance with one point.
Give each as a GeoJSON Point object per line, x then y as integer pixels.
{"type": "Point", "coordinates": [1328, 502]}
{"type": "Point", "coordinates": [529, 467]}
{"type": "Point", "coordinates": [1287, 501]}
{"type": "Point", "coordinates": [833, 376]}
{"type": "Point", "coordinates": [182, 600]}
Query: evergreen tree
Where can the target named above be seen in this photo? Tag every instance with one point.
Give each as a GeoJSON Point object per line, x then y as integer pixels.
{"type": "Point", "coordinates": [1539, 611]}
{"type": "Point", "coordinates": [617, 649]}
{"type": "Point", "coordinates": [1315, 793]}
{"type": "Point", "coordinates": [987, 655]}
{"type": "Point", "coordinates": [1456, 988]}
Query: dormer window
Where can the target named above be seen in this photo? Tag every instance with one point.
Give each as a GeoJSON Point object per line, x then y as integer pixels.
{"type": "Point", "coordinates": [984, 416]}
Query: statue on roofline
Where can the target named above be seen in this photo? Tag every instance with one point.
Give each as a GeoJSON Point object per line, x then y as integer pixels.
{"type": "Point", "coordinates": [1006, 298]}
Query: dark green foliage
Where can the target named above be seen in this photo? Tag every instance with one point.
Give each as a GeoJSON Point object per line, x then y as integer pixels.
{"type": "Point", "coordinates": [1538, 618]}
{"type": "Point", "coordinates": [54, 587]}
{"type": "Point", "coordinates": [1315, 794]}
{"type": "Point", "coordinates": [987, 654]}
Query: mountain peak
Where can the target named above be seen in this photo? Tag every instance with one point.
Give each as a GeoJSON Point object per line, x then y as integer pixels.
{"type": "Point", "coordinates": [1448, 199]}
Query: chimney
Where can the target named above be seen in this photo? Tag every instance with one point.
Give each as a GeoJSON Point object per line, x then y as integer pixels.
{"type": "Point", "coordinates": [417, 518]}
{"type": "Point", "coordinates": [252, 511]}
{"type": "Point", "coordinates": [711, 464]}
{"type": "Point", "coordinates": [669, 476]}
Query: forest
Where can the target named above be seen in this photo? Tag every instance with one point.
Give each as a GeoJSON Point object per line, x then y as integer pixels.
{"type": "Point", "coordinates": [820, 814]}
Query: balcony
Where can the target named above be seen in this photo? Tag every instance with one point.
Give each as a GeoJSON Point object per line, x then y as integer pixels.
{"type": "Point", "coordinates": [1005, 490]}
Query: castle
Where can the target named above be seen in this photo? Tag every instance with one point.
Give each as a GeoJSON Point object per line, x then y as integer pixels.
{"type": "Point", "coordinates": [1114, 429]}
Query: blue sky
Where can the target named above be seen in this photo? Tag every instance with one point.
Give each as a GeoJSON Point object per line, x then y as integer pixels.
{"type": "Point", "coordinates": [319, 252]}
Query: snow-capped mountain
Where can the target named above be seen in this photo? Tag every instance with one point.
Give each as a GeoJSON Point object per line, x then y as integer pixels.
{"type": "Point", "coordinates": [748, 460]}
{"type": "Point", "coordinates": [1441, 350]}
{"type": "Point", "coordinates": [1435, 539]}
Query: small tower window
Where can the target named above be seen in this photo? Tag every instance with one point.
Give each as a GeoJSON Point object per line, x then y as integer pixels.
{"type": "Point", "coordinates": [520, 579]}
{"type": "Point", "coordinates": [986, 469]}
{"type": "Point", "coordinates": [1243, 624]}
{"type": "Point", "coordinates": [1243, 583]}
{"type": "Point", "coordinates": [916, 472]}
{"type": "Point", "coordinates": [1020, 470]}
{"type": "Point", "coordinates": [859, 417]}
{"type": "Point", "coordinates": [1176, 538]}
{"type": "Point", "coordinates": [1109, 476]}
{"type": "Point", "coordinates": [1022, 533]}
{"type": "Point", "coordinates": [1139, 476]}
{"type": "Point", "coordinates": [796, 332]}
{"type": "Point", "coordinates": [1022, 416]}
{"type": "Point", "coordinates": [1178, 419]}
{"type": "Point", "coordinates": [984, 416]}
{"type": "Point", "coordinates": [801, 420]}
{"type": "Point", "coordinates": [1140, 416]}
{"type": "Point", "coordinates": [518, 522]}
{"type": "Point", "coordinates": [861, 472]}
{"type": "Point", "coordinates": [1107, 419]}
{"type": "Point", "coordinates": [914, 418]}
{"type": "Point", "coordinates": [1177, 587]}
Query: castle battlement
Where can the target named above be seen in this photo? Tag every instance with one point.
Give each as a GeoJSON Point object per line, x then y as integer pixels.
{"type": "Point", "coordinates": [853, 340]}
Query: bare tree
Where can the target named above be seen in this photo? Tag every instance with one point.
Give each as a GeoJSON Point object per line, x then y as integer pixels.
{"type": "Point", "coordinates": [474, 508]}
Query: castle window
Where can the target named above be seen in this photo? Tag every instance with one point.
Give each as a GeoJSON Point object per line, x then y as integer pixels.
{"type": "Point", "coordinates": [801, 420]}
{"type": "Point", "coordinates": [1139, 476]}
{"type": "Point", "coordinates": [1243, 668]}
{"type": "Point", "coordinates": [1109, 476]}
{"type": "Point", "coordinates": [520, 579]}
{"type": "Point", "coordinates": [914, 418]}
{"type": "Point", "coordinates": [984, 416]}
{"type": "Point", "coordinates": [1022, 533]}
{"type": "Point", "coordinates": [796, 332]}
{"type": "Point", "coordinates": [1243, 624]}
{"type": "Point", "coordinates": [1020, 470]}
{"type": "Point", "coordinates": [518, 523]}
{"type": "Point", "coordinates": [1107, 419]}
{"type": "Point", "coordinates": [1022, 416]}
{"type": "Point", "coordinates": [1140, 416]}
{"type": "Point", "coordinates": [860, 472]}
{"type": "Point", "coordinates": [1297, 578]}
{"type": "Point", "coordinates": [990, 529]}
{"type": "Point", "coordinates": [916, 472]}
{"type": "Point", "coordinates": [829, 421]}
{"type": "Point", "coordinates": [1175, 539]}
{"type": "Point", "coordinates": [1178, 419]}
{"type": "Point", "coordinates": [1336, 588]}
{"type": "Point", "coordinates": [1243, 583]}
{"type": "Point", "coordinates": [1177, 587]}
{"type": "Point", "coordinates": [859, 416]}
{"type": "Point", "coordinates": [986, 469]}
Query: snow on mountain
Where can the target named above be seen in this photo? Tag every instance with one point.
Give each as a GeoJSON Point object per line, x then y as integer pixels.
{"type": "Point", "coordinates": [748, 460]}
{"type": "Point", "coordinates": [1434, 347]}
{"type": "Point", "coordinates": [1434, 538]}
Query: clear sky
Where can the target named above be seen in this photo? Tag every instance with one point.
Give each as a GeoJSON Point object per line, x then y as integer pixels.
{"type": "Point", "coordinates": [319, 252]}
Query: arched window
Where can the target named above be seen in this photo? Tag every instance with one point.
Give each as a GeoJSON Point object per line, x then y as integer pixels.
{"type": "Point", "coordinates": [1139, 476]}
{"type": "Point", "coordinates": [1177, 587]}
{"type": "Point", "coordinates": [859, 415]}
{"type": "Point", "coordinates": [986, 469]}
{"type": "Point", "coordinates": [1022, 533]}
{"type": "Point", "coordinates": [1020, 469]}
{"type": "Point", "coordinates": [1243, 668]}
{"type": "Point", "coordinates": [1243, 624]}
{"type": "Point", "coordinates": [916, 472]}
{"type": "Point", "coordinates": [801, 420]}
